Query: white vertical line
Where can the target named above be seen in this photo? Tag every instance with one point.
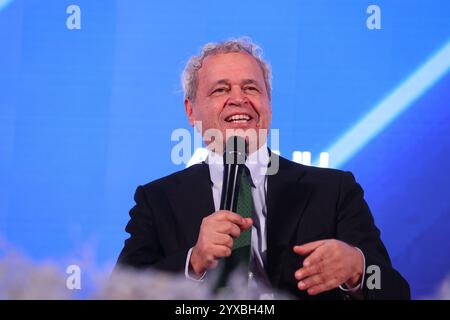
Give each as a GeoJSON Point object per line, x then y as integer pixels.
{"type": "Point", "coordinates": [392, 106]}
{"type": "Point", "coordinates": [306, 157]}
{"type": "Point", "coordinates": [297, 156]}
{"type": "Point", "coordinates": [324, 160]}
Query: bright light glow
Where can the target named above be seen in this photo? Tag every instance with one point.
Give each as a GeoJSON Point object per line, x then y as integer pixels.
{"type": "Point", "coordinates": [324, 160]}
{"type": "Point", "coordinates": [297, 156]}
{"type": "Point", "coordinates": [390, 108]}
{"type": "Point", "coordinates": [4, 3]}
{"type": "Point", "coordinates": [306, 158]}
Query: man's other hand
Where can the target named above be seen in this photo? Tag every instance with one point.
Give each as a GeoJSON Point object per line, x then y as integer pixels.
{"type": "Point", "coordinates": [328, 264]}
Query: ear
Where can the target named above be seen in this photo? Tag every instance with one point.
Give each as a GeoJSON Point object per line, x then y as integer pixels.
{"type": "Point", "coordinates": [188, 108]}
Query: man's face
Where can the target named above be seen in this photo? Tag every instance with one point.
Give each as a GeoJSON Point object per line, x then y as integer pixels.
{"type": "Point", "coordinates": [231, 94]}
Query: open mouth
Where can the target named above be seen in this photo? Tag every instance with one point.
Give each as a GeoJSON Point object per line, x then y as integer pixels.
{"type": "Point", "coordinates": [238, 118]}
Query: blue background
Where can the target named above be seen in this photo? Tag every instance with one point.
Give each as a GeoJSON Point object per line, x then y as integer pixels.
{"type": "Point", "coordinates": [86, 115]}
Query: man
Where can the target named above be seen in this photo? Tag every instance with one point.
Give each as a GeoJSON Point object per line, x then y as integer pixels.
{"type": "Point", "coordinates": [312, 233]}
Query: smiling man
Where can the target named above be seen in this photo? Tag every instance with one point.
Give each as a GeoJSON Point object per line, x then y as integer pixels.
{"type": "Point", "coordinates": [309, 230]}
{"type": "Point", "coordinates": [230, 91]}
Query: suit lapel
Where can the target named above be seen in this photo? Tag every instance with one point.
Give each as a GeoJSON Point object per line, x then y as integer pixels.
{"type": "Point", "coordinates": [287, 199]}
{"type": "Point", "coordinates": [192, 200]}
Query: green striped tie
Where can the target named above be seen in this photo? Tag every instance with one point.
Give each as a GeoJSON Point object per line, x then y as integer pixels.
{"type": "Point", "coordinates": [245, 209]}
{"type": "Point", "coordinates": [240, 256]}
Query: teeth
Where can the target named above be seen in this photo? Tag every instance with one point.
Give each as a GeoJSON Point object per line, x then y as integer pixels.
{"type": "Point", "coordinates": [238, 121]}
{"type": "Point", "coordinates": [239, 118]}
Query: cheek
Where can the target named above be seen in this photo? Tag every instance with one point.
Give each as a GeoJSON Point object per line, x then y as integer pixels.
{"type": "Point", "coordinates": [262, 105]}
{"type": "Point", "coordinates": [266, 113]}
{"type": "Point", "coordinates": [212, 110]}
{"type": "Point", "coordinates": [266, 119]}
{"type": "Point", "coordinates": [208, 115]}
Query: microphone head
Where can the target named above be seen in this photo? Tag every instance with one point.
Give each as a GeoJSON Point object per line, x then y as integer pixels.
{"type": "Point", "coordinates": [236, 150]}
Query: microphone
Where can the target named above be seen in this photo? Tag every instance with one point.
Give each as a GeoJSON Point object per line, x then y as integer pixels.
{"type": "Point", "coordinates": [234, 157]}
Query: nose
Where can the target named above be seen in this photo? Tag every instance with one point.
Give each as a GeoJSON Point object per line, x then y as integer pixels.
{"type": "Point", "coordinates": [237, 97]}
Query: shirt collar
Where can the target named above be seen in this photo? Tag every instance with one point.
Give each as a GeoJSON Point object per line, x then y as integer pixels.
{"type": "Point", "coordinates": [256, 163]}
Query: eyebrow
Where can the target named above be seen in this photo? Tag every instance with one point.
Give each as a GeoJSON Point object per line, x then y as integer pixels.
{"type": "Point", "coordinates": [221, 81]}
{"type": "Point", "coordinates": [250, 81]}
{"type": "Point", "coordinates": [227, 82]}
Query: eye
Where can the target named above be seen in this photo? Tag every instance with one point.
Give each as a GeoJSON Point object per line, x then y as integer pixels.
{"type": "Point", "coordinates": [251, 89]}
{"type": "Point", "coordinates": [219, 90]}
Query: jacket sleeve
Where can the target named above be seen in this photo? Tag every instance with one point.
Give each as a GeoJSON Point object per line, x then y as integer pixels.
{"type": "Point", "coordinates": [143, 249]}
{"type": "Point", "coordinates": [355, 226]}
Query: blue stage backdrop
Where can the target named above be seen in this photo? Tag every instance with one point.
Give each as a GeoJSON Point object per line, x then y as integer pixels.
{"type": "Point", "coordinates": [90, 95]}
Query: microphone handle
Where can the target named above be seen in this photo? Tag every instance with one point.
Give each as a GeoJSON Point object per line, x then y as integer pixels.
{"type": "Point", "coordinates": [230, 187]}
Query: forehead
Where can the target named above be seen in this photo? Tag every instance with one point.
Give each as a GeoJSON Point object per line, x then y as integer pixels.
{"type": "Point", "coordinates": [233, 66]}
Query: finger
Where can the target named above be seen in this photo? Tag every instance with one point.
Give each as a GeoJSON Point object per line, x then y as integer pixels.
{"type": "Point", "coordinates": [220, 251]}
{"type": "Point", "coordinates": [331, 284]}
{"type": "Point", "coordinates": [229, 228]}
{"type": "Point", "coordinates": [307, 248]}
{"type": "Point", "coordinates": [305, 272]}
{"type": "Point", "coordinates": [248, 222]}
{"type": "Point", "coordinates": [233, 218]}
{"type": "Point", "coordinates": [245, 223]}
{"type": "Point", "coordinates": [312, 281]}
{"type": "Point", "coordinates": [316, 257]}
{"type": "Point", "coordinates": [222, 239]}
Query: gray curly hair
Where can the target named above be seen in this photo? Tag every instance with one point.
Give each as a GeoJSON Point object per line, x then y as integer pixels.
{"type": "Point", "coordinates": [189, 77]}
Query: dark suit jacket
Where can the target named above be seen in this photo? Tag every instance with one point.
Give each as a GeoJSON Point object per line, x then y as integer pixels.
{"type": "Point", "coordinates": [304, 204]}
